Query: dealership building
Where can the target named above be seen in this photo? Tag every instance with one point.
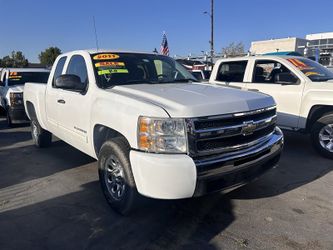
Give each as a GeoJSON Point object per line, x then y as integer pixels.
{"type": "Point", "coordinates": [318, 46]}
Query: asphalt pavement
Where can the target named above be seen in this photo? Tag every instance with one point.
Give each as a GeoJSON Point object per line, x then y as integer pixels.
{"type": "Point", "coordinates": [51, 199]}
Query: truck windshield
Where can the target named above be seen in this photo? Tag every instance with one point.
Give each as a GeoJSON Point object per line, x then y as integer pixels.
{"type": "Point", "coordinates": [20, 78]}
{"type": "Point", "coordinates": [315, 71]}
{"type": "Point", "coordinates": [135, 68]}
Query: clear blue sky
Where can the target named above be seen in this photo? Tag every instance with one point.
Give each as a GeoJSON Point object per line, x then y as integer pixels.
{"type": "Point", "coordinates": [31, 26]}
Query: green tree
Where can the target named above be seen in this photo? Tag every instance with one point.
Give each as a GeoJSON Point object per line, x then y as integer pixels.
{"type": "Point", "coordinates": [233, 49]}
{"type": "Point", "coordinates": [15, 60]}
{"type": "Point", "coordinates": [49, 55]}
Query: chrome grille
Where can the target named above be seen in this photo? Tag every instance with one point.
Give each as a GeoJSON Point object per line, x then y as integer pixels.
{"type": "Point", "coordinates": [232, 132]}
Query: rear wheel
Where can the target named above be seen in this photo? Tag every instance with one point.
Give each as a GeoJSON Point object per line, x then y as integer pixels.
{"type": "Point", "coordinates": [322, 135]}
{"type": "Point", "coordinates": [115, 175]}
{"type": "Point", "coordinates": [41, 137]}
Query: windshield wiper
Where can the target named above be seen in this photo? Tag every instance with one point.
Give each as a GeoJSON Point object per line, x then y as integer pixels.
{"type": "Point", "coordinates": [138, 81]}
{"type": "Point", "coordinates": [181, 80]}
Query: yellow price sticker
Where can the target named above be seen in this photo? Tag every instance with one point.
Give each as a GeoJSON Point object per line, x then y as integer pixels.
{"type": "Point", "coordinates": [106, 57]}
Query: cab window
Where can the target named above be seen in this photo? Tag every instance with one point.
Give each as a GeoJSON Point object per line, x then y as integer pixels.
{"type": "Point", "coordinates": [77, 66]}
{"type": "Point", "coordinates": [232, 71]}
{"type": "Point", "coordinates": [273, 72]}
{"type": "Point", "coordinates": [3, 80]}
{"type": "Point", "coordinates": [59, 69]}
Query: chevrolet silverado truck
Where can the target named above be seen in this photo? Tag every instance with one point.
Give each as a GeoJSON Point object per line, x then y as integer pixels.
{"type": "Point", "coordinates": [302, 89]}
{"type": "Point", "coordinates": [11, 91]}
{"type": "Point", "coordinates": [153, 128]}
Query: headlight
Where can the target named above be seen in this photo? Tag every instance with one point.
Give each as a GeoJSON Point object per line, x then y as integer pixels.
{"type": "Point", "coordinates": [162, 135]}
{"type": "Point", "coordinates": [16, 99]}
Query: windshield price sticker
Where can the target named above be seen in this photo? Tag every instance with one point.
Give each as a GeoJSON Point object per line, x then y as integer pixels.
{"type": "Point", "coordinates": [106, 57]}
{"type": "Point", "coordinates": [110, 64]}
{"type": "Point", "coordinates": [310, 73]}
{"type": "Point", "coordinates": [112, 71]}
{"type": "Point", "coordinates": [299, 64]}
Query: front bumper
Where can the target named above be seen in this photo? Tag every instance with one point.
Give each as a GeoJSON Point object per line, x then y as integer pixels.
{"type": "Point", "coordinates": [17, 114]}
{"type": "Point", "coordinates": [168, 176]}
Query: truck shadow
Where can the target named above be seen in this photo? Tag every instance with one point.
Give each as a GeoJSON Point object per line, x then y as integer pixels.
{"type": "Point", "coordinates": [300, 164]}
{"type": "Point", "coordinates": [22, 164]}
{"type": "Point", "coordinates": [83, 220]}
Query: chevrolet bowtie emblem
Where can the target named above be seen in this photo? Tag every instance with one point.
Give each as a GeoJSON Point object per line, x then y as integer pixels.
{"type": "Point", "coordinates": [248, 128]}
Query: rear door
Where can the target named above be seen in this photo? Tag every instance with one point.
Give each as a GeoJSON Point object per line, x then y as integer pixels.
{"type": "Point", "coordinates": [276, 78]}
{"type": "Point", "coordinates": [231, 73]}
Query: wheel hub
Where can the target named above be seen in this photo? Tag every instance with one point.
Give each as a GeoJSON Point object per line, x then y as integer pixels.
{"type": "Point", "coordinates": [326, 137]}
{"type": "Point", "coordinates": [34, 131]}
{"type": "Point", "coordinates": [114, 177]}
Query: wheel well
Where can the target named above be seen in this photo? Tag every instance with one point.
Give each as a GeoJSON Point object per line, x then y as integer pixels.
{"type": "Point", "coordinates": [315, 113]}
{"type": "Point", "coordinates": [103, 134]}
{"type": "Point", "coordinates": [31, 110]}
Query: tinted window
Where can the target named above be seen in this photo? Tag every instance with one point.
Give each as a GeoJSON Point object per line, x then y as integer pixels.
{"type": "Point", "coordinates": [59, 68]}
{"type": "Point", "coordinates": [77, 66]}
{"type": "Point", "coordinates": [4, 79]}
{"type": "Point", "coordinates": [232, 71]}
{"type": "Point", "coordinates": [315, 71]}
{"type": "Point", "coordinates": [20, 78]}
{"type": "Point", "coordinates": [197, 75]}
{"type": "Point", "coordinates": [135, 68]}
{"type": "Point", "coordinates": [268, 71]}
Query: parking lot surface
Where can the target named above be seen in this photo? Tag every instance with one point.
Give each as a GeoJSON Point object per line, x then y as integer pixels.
{"type": "Point", "coordinates": [51, 199]}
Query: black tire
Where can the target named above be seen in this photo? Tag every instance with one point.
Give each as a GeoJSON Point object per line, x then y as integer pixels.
{"type": "Point", "coordinates": [9, 120]}
{"type": "Point", "coordinates": [318, 131]}
{"type": "Point", "coordinates": [116, 177]}
{"type": "Point", "coordinates": [41, 137]}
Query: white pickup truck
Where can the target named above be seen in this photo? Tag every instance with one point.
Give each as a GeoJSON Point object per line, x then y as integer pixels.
{"type": "Point", "coordinates": [152, 127]}
{"type": "Point", "coordinates": [302, 89]}
{"type": "Point", "coordinates": [12, 82]}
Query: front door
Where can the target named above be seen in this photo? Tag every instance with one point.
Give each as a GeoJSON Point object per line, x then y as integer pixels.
{"type": "Point", "coordinates": [276, 79]}
{"type": "Point", "coordinates": [74, 109]}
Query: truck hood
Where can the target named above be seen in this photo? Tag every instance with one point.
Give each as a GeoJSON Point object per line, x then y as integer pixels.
{"type": "Point", "coordinates": [196, 99]}
{"type": "Point", "coordinates": [16, 88]}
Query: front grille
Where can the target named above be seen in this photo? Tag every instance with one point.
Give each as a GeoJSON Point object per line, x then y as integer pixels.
{"type": "Point", "coordinates": [227, 133]}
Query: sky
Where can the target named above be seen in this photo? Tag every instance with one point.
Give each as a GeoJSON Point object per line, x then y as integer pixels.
{"type": "Point", "coordinates": [31, 26]}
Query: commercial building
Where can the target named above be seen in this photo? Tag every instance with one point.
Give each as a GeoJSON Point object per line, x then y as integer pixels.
{"type": "Point", "coordinates": [317, 46]}
{"type": "Point", "coordinates": [290, 44]}
{"type": "Point", "coordinates": [321, 44]}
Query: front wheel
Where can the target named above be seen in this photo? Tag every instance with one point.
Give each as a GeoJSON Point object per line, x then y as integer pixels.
{"type": "Point", "coordinates": [115, 175]}
{"type": "Point", "coordinates": [9, 120]}
{"type": "Point", "coordinates": [41, 137]}
{"type": "Point", "coordinates": [322, 135]}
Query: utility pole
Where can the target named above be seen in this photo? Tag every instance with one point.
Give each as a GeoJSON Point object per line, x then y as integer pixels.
{"type": "Point", "coordinates": [211, 30]}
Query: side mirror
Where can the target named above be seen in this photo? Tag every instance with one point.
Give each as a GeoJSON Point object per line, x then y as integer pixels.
{"type": "Point", "coordinates": [286, 78]}
{"type": "Point", "coordinates": [70, 82]}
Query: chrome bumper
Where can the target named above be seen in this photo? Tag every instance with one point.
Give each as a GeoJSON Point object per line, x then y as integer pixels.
{"type": "Point", "coordinates": [227, 171]}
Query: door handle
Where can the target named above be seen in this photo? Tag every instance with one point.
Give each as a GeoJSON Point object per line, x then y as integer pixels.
{"type": "Point", "coordinates": [61, 101]}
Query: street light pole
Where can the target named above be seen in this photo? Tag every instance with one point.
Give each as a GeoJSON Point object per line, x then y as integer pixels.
{"type": "Point", "coordinates": [211, 31]}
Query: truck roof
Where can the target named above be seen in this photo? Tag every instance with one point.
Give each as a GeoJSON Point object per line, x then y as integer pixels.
{"type": "Point", "coordinates": [94, 51]}
{"type": "Point", "coordinates": [260, 57]}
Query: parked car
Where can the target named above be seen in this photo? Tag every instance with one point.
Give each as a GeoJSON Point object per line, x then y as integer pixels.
{"type": "Point", "coordinates": [152, 127]}
{"type": "Point", "coordinates": [201, 75]}
{"type": "Point", "coordinates": [302, 89]}
{"type": "Point", "coordinates": [11, 91]}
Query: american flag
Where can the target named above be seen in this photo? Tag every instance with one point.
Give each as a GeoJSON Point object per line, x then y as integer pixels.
{"type": "Point", "coordinates": [164, 46]}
